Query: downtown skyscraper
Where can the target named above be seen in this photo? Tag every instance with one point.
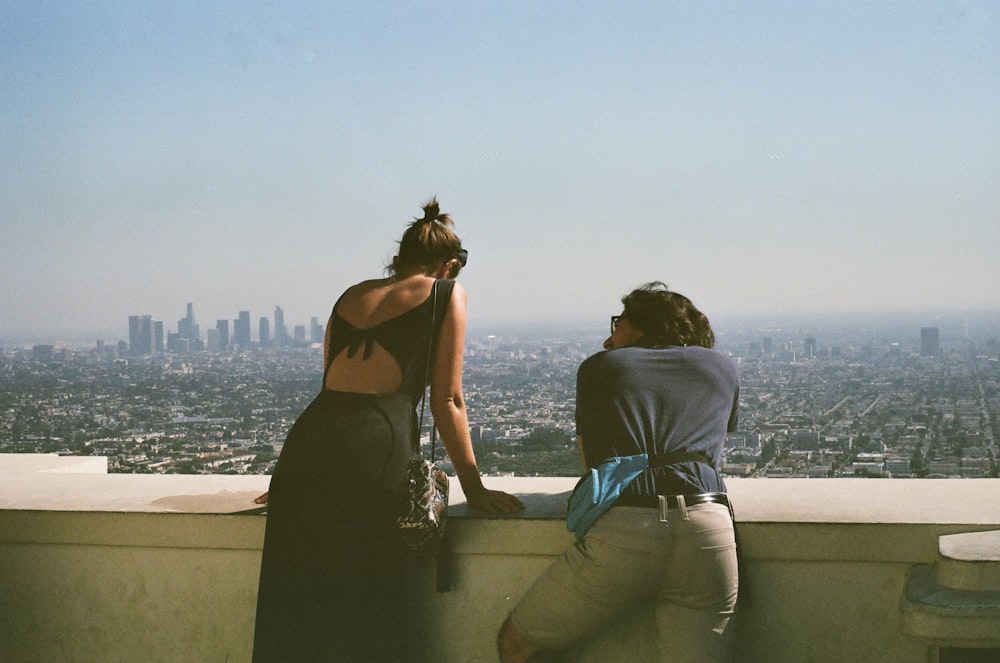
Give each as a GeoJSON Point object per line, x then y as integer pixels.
{"type": "Point", "coordinates": [241, 330]}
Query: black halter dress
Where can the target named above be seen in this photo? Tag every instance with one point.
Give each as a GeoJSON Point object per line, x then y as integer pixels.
{"type": "Point", "coordinates": [332, 571]}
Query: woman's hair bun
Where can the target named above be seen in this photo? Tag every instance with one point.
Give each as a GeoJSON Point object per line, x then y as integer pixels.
{"type": "Point", "coordinates": [432, 213]}
{"type": "Point", "coordinates": [427, 240]}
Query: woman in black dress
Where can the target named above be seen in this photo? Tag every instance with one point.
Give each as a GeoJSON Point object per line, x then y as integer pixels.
{"type": "Point", "coordinates": [333, 568]}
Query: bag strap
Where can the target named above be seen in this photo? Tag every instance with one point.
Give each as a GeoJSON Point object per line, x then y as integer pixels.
{"type": "Point", "coordinates": [436, 317]}
{"type": "Point", "coordinates": [427, 374]}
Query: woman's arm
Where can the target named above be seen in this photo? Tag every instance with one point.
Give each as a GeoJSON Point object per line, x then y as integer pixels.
{"type": "Point", "coordinates": [448, 408]}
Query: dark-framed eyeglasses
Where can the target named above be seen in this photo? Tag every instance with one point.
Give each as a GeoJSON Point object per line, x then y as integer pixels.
{"type": "Point", "coordinates": [615, 319]}
{"type": "Point", "coordinates": [462, 256]}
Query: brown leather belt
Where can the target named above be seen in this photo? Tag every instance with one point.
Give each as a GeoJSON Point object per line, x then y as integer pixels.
{"type": "Point", "coordinates": [653, 501]}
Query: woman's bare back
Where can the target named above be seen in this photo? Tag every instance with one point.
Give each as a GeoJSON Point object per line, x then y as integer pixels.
{"type": "Point", "coordinates": [364, 306]}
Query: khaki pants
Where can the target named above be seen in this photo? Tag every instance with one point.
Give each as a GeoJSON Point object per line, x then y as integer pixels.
{"type": "Point", "coordinates": [633, 575]}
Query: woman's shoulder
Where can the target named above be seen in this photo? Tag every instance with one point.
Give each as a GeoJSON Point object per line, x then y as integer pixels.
{"type": "Point", "coordinates": [362, 287]}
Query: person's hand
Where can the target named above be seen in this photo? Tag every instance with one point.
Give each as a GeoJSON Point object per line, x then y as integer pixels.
{"type": "Point", "coordinates": [261, 499]}
{"type": "Point", "coordinates": [493, 501]}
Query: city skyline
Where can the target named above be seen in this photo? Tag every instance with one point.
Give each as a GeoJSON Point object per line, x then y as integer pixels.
{"type": "Point", "coordinates": [149, 336]}
{"type": "Point", "coordinates": [924, 333]}
{"type": "Point", "coordinates": [766, 158]}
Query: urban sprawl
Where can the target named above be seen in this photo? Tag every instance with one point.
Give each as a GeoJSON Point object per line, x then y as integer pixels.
{"type": "Point", "coordinates": [817, 400]}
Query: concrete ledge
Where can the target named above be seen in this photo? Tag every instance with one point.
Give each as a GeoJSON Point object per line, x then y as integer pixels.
{"type": "Point", "coordinates": [833, 519]}
{"type": "Point", "coordinates": [100, 567]}
{"type": "Point", "coordinates": [57, 483]}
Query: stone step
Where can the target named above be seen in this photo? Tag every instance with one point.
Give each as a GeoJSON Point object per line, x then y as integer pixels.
{"type": "Point", "coordinates": [969, 561]}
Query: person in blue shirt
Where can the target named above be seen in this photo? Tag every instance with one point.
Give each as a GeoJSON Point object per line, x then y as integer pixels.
{"type": "Point", "coordinates": [667, 545]}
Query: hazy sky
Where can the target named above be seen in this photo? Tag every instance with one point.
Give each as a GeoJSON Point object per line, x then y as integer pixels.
{"type": "Point", "coordinates": [756, 156]}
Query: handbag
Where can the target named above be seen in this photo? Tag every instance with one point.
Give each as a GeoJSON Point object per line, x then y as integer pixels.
{"type": "Point", "coordinates": [423, 508]}
{"type": "Point", "coordinates": [423, 505]}
{"type": "Point", "coordinates": [598, 489]}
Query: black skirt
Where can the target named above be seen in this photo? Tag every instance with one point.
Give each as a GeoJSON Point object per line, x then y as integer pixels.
{"type": "Point", "coordinates": [332, 572]}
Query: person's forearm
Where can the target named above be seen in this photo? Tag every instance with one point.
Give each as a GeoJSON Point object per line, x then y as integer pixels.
{"type": "Point", "coordinates": [453, 424]}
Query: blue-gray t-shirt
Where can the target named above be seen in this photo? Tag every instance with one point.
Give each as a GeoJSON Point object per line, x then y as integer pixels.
{"type": "Point", "coordinates": [655, 401]}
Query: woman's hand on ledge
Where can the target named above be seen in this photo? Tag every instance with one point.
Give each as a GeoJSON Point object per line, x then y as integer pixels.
{"type": "Point", "coordinates": [493, 501]}
{"type": "Point", "coordinates": [490, 501]}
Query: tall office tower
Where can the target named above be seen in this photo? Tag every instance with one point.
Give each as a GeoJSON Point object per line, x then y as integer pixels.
{"type": "Point", "coordinates": [140, 335]}
{"type": "Point", "coordinates": [213, 340]}
{"type": "Point", "coordinates": [264, 332]}
{"type": "Point", "coordinates": [241, 330]}
{"type": "Point", "coordinates": [146, 335]}
{"type": "Point", "coordinates": [280, 331]}
{"type": "Point", "coordinates": [300, 334]}
{"type": "Point", "coordinates": [929, 346]}
{"type": "Point", "coordinates": [316, 331]}
{"type": "Point", "coordinates": [222, 326]}
{"type": "Point", "coordinates": [158, 336]}
{"type": "Point", "coordinates": [133, 335]}
{"type": "Point", "coordinates": [187, 327]}
{"type": "Point", "coordinates": [194, 333]}
{"type": "Point", "coordinates": [810, 347]}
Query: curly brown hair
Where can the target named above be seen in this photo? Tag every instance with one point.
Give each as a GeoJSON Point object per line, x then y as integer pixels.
{"type": "Point", "coordinates": [666, 318]}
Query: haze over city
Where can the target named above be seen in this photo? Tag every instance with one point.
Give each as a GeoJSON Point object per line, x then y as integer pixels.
{"type": "Point", "coordinates": [770, 158]}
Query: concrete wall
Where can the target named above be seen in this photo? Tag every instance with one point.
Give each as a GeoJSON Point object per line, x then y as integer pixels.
{"type": "Point", "coordinates": [827, 564]}
{"type": "Point", "coordinates": [82, 586]}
